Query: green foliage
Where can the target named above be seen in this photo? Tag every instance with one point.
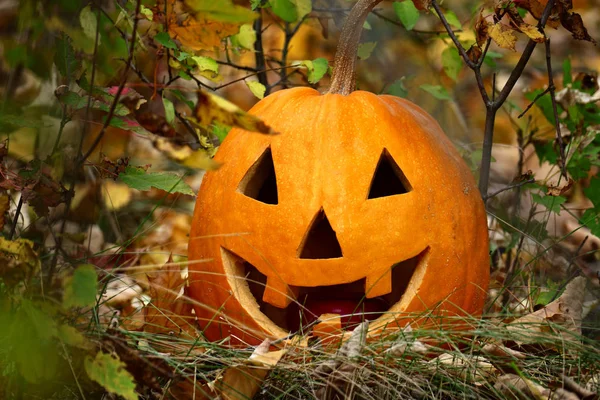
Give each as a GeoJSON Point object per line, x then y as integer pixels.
{"type": "Point", "coordinates": [257, 88]}
{"type": "Point", "coordinates": [552, 203]}
{"type": "Point", "coordinates": [398, 88]}
{"type": "Point", "coordinates": [291, 10]}
{"type": "Point", "coordinates": [452, 19]}
{"type": "Point", "coordinates": [452, 62]}
{"type": "Point", "coordinates": [439, 92]}
{"type": "Point", "coordinates": [138, 178]}
{"type": "Point", "coordinates": [365, 50]}
{"type": "Point", "coordinates": [222, 10]}
{"type": "Point", "coordinates": [407, 13]}
{"type": "Point", "coordinates": [317, 69]}
{"type": "Point", "coordinates": [111, 374]}
{"type": "Point", "coordinates": [81, 288]}
{"type": "Point", "coordinates": [65, 59]}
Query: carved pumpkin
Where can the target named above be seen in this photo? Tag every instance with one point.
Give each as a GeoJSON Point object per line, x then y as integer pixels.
{"type": "Point", "coordinates": [361, 205]}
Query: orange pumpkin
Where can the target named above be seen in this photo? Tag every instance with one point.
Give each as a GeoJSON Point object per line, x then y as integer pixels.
{"type": "Point", "coordinates": [361, 205]}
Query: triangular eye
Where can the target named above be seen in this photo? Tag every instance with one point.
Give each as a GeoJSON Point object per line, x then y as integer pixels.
{"type": "Point", "coordinates": [320, 241]}
{"type": "Point", "coordinates": [388, 179]}
{"type": "Point", "coordinates": [260, 182]}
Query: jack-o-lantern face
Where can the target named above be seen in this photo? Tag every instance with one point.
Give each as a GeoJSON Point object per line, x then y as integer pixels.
{"type": "Point", "coordinates": [360, 205]}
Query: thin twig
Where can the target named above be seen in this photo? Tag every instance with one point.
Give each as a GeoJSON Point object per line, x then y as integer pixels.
{"type": "Point", "coordinates": [13, 228]}
{"type": "Point", "coordinates": [259, 55]}
{"type": "Point", "coordinates": [540, 95]}
{"type": "Point", "coordinates": [552, 90]}
{"type": "Point", "coordinates": [505, 188]}
{"type": "Point", "coordinates": [115, 102]}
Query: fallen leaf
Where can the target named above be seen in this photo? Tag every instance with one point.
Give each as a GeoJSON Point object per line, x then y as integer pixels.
{"type": "Point", "coordinates": [513, 386]}
{"type": "Point", "coordinates": [338, 370]}
{"type": "Point", "coordinates": [476, 369]}
{"type": "Point", "coordinates": [4, 207]}
{"type": "Point", "coordinates": [18, 260]}
{"type": "Point", "coordinates": [565, 311]}
{"type": "Point", "coordinates": [169, 313]}
{"type": "Point", "coordinates": [243, 382]}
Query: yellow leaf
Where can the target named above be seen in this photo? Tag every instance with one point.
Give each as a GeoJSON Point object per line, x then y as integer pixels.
{"type": "Point", "coordinates": [532, 32]}
{"type": "Point", "coordinates": [116, 195]}
{"type": "Point", "coordinates": [198, 32]}
{"type": "Point", "coordinates": [184, 155]}
{"type": "Point", "coordinates": [212, 108]}
{"type": "Point", "coordinates": [502, 35]}
{"type": "Point", "coordinates": [18, 260]}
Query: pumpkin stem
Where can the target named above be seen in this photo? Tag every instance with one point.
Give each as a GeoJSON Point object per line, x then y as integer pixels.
{"type": "Point", "coordinates": [343, 79]}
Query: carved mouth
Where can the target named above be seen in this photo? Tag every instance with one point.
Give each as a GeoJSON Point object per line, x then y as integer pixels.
{"type": "Point", "coordinates": [349, 301]}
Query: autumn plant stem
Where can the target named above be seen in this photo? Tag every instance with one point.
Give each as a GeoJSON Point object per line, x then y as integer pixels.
{"type": "Point", "coordinates": [115, 102]}
{"type": "Point", "coordinates": [492, 105]}
{"type": "Point", "coordinates": [344, 73]}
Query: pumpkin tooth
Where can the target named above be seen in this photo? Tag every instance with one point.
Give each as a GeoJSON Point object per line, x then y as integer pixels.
{"type": "Point", "coordinates": [378, 284]}
{"type": "Point", "coordinates": [279, 293]}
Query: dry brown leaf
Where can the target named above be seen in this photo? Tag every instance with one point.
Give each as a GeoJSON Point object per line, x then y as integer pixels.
{"type": "Point", "coordinates": [422, 5]}
{"type": "Point", "coordinates": [338, 370]}
{"type": "Point", "coordinates": [481, 30]}
{"type": "Point", "coordinates": [565, 311]}
{"type": "Point", "coordinates": [169, 312]}
{"type": "Point", "coordinates": [560, 190]}
{"type": "Point", "coordinates": [502, 35]}
{"type": "Point", "coordinates": [476, 369]}
{"type": "Point", "coordinates": [243, 382]}
{"type": "Point", "coordinates": [514, 387]}
{"type": "Point", "coordinates": [574, 24]}
{"type": "Point", "coordinates": [406, 341]}
{"type": "Point", "coordinates": [195, 31]}
{"type": "Point", "coordinates": [581, 392]}
{"type": "Point", "coordinates": [4, 206]}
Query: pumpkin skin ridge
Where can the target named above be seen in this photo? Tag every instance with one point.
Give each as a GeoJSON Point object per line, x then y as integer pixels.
{"type": "Point", "coordinates": [325, 106]}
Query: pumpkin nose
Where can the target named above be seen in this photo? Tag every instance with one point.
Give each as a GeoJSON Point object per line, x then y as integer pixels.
{"type": "Point", "coordinates": [320, 241]}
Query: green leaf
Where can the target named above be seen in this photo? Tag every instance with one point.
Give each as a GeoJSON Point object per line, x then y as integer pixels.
{"type": "Point", "coordinates": [222, 10]}
{"type": "Point", "coordinates": [164, 39]}
{"type": "Point", "coordinates": [590, 218]}
{"type": "Point", "coordinates": [592, 192]}
{"type": "Point", "coordinates": [285, 9]}
{"type": "Point", "coordinates": [552, 203]}
{"type": "Point", "coordinates": [257, 88]}
{"type": "Point", "coordinates": [407, 13]}
{"type": "Point", "coordinates": [78, 102]}
{"type": "Point", "coordinates": [303, 7]}
{"type": "Point", "coordinates": [89, 22]}
{"type": "Point", "coordinates": [146, 12]}
{"type": "Point", "coordinates": [246, 37]}
{"type": "Point", "coordinates": [137, 178]}
{"type": "Point", "coordinates": [316, 69]}
{"type": "Point", "coordinates": [452, 19]}
{"type": "Point", "coordinates": [567, 78]}
{"type": "Point", "coordinates": [111, 373]}
{"type": "Point", "coordinates": [220, 131]}
{"type": "Point", "coordinates": [439, 92]}
{"type": "Point", "coordinates": [490, 58]}
{"type": "Point", "coordinates": [365, 50]}
{"type": "Point", "coordinates": [169, 110]}
{"type": "Point", "coordinates": [206, 64]}
{"type": "Point", "coordinates": [452, 62]}
{"type": "Point", "coordinates": [81, 288]}
{"type": "Point", "coordinates": [397, 88]}
{"type": "Point", "coordinates": [31, 341]}
{"type": "Point", "coordinates": [64, 58]}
